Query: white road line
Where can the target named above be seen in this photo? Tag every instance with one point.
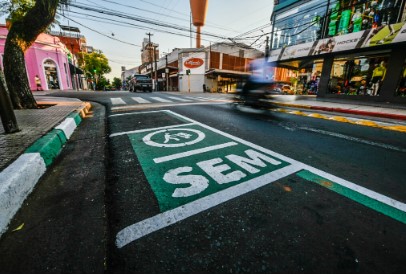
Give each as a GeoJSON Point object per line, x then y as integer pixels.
{"type": "Point", "coordinates": [137, 113]}
{"type": "Point", "coordinates": [160, 99]}
{"type": "Point", "coordinates": [359, 189]}
{"type": "Point", "coordinates": [377, 144]}
{"type": "Point", "coordinates": [117, 101]}
{"type": "Point", "coordinates": [194, 152]}
{"type": "Point", "coordinates": [198, 98]}
{"type": "Point", "coordinates": [147, 226]}
{"type": "Point", "coordinates": [350, 185]}
{"type": "Point", "coordinates": [140, 100]}
{"type": "Point", "coordinates": [161, 105]}
{"type": "Point", "coordinates": [150, 129]}
{"type": "Point", "coordinates": [239, 140]}
{"type": "Point", "coordinates": [179, 99]}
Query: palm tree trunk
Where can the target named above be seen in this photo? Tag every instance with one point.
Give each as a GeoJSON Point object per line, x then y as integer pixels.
{"type": "Point", "coordinates": [21, 36]}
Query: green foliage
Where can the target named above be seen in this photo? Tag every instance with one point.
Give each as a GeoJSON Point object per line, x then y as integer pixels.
{"type": "Point", "coordinates": [96, 63]}
{"type": "Point", "coordinates": [117, 83]}
{"type": "Point", "coordinates": [16, 9]}
{"type": "Point", "coordinates": [102, 83]}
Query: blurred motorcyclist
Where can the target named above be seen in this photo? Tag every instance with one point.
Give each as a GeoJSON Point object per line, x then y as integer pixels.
{"type": "Point", "coordinates": [255, 89]}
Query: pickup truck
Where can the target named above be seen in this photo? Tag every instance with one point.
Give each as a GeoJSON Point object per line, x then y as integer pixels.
{"type": "Point", "coordinates": [140, 82]}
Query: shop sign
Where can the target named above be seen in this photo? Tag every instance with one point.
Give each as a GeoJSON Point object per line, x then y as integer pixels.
{"type": "Point", "coordinates": [193, 63]}
{"type": "Point", "coordinates": [388, 34]}
{"type": "Point", "coordinates": [339, 43]}
{"type": "Point", "coordinates": [297, 51]}
{"type": "Point", "coordinates": [384, 35]}
{"type": "Point", "coordinates": [274, 55]}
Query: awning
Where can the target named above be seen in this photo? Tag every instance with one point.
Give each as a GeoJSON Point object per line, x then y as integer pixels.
{"type": "Point", "coordinates": [74, 69]}
{"type": "Point", "coordinates": [228, 73]}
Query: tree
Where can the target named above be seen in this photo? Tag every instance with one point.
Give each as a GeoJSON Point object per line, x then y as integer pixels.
{"type": "Point", "coordinates": [96, 64]}
{"type": "Point", "coordinates": [117, 83]}
{"type": "Point", "coordinates": [29, 18]}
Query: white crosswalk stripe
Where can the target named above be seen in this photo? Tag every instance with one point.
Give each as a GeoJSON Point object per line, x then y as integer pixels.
{"type": "Point", "coordinates": [179, 99]}
{"type": "Point", "coordinates": [140, 100]}
{"type": "Point", "coordinates": [117, 101]}
{"type": "Point", "coordinates": [160, 99]}
{"type": "Point", "coordinates": [197, 98]}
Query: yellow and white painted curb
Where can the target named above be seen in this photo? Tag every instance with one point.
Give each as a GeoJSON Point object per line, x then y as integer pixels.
{"type": "Point", "coordinates": [364, 122]}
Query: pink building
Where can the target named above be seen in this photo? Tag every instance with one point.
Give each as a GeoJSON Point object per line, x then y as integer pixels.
{"type": "Point", "coordinates": [47, 58]}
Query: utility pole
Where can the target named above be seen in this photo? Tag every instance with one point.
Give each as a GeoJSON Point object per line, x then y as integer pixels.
{"type": "Point", "coordinates": [267, 47]}
{"type": "Point", "coordinates": [166, 72]}
{"type": "Point", "coordinates": [191, 29]}
{"type": "Point", "coordinates": [7, 115]}
{"type": "Point", "coordinates": [149, 51]}
{"type": "Point", "coordinates": [156, 69]}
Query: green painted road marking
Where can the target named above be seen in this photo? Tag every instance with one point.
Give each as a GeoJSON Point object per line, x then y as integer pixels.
{"type": "Point", "coordinates": [194, 167]}
{"type": "Point", "coordinates": [183, 165]}
{"type": "Point", "coordinates": [355, 196]}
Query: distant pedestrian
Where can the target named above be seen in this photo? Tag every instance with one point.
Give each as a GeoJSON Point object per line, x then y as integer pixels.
{"type": "Point", "coordinates": [38, 83]}
{"type": "Point", "coordinates": [204, 88]}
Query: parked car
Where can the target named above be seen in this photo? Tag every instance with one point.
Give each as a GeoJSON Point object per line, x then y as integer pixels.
{"type": "Point", "coordinates": [281, 88]}
{"type": "Point", "coordinates": [140, 82]}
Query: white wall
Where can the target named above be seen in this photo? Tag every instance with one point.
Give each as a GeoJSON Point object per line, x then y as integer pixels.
{"type": "Point", "coordinates": [196, 83]}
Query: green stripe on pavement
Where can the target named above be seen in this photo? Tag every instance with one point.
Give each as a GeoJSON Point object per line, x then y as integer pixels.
{"type": "Point", "coordinates": [355, 196]}
{"type": "Point", "coordinates": [49, 146]}
{"type": "Point", "coordinates": [197, 169]}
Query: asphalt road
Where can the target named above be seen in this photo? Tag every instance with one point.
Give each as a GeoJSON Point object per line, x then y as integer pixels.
{"type": "Point", "coordinates": [197, 186]}
{"type": "Point", "coordinates": [291, 225]}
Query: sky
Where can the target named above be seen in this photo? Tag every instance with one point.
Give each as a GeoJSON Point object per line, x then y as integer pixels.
{"type": "Point", "coordinates": [120, 36]}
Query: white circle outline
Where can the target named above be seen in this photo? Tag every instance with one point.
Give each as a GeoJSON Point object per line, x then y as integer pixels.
{"type": "Point", "coordinates": [147, 139]}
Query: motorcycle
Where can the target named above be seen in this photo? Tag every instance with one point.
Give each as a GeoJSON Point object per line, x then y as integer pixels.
{"type": "Point", "coordinates": [254, 95]}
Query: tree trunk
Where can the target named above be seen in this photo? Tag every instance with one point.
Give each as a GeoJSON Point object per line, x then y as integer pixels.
{"type": "Point", "coordinates": [7, 115]}
{"type": "Point", "coordinates": [16, 77]}
{"type": "Point", "coordinates": [21, 36]}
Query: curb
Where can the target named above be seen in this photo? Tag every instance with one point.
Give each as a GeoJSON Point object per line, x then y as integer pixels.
{"type": "Point", "coordinates": [19, 178]}
{"type": "Point", "coordinates": [340, 110]}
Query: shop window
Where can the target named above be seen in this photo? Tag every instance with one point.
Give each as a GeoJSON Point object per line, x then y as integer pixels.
{"type": "Point", "coordinates": [358, 76]}
{"type": "Point", "coordinates": [299, 24]}
{"type": "Point", "coordinates": [401, 90]}
{"type": "Point", "coordinates": [347, 16]}
{"type": "Point", "coordinates": [304, 80]}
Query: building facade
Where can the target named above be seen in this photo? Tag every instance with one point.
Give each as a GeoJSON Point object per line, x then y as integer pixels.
{"type": "Point", "coordinates": [77, 45]}
{"type": "Point", "coordinates": [341, 48]}
{"type": "Point", "coordinates": [47, 58]}
{"type": "Point", "coordinates": [221, 67]}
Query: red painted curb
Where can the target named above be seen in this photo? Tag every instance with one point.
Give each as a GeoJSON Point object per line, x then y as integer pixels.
{"type": "Point", "coordinates": [341, 110]}
{"type": "Point", "coordinates": [355, 112]}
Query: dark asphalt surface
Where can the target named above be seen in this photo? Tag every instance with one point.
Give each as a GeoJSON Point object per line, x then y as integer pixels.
{"type": "Point", "coordinates": [290, 226]}
{"type": "Point", "coordinates": [65, 225]}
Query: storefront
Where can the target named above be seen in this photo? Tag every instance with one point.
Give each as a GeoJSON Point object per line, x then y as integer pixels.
{"type": "Point", "coordinates": [341, 48]}
{"type": "Point", "coordinates": [46, 59]}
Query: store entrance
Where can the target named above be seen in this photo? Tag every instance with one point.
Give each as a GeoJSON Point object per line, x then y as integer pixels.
{"type": "Point", "coordinates": [51, 74]}
{"type": "Point", "coordinates": [302, 77]}
{"type": "Point", "coordinates": [363, 75]}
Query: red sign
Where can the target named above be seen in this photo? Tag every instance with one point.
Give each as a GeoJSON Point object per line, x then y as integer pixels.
{"type": "Point", "coordinates": [193, 63]}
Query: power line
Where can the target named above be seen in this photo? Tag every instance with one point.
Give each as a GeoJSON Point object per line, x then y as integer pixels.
{"type": "Point", "coordinates": [99, 32]}
{"type": "Point", "coordinates": [141, 19]}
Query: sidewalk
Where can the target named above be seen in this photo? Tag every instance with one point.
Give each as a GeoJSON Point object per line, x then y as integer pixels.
{"type": "Point", "coordinates": [26, 155]}
{"type": "Point", "coordinates": [372, 109]}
